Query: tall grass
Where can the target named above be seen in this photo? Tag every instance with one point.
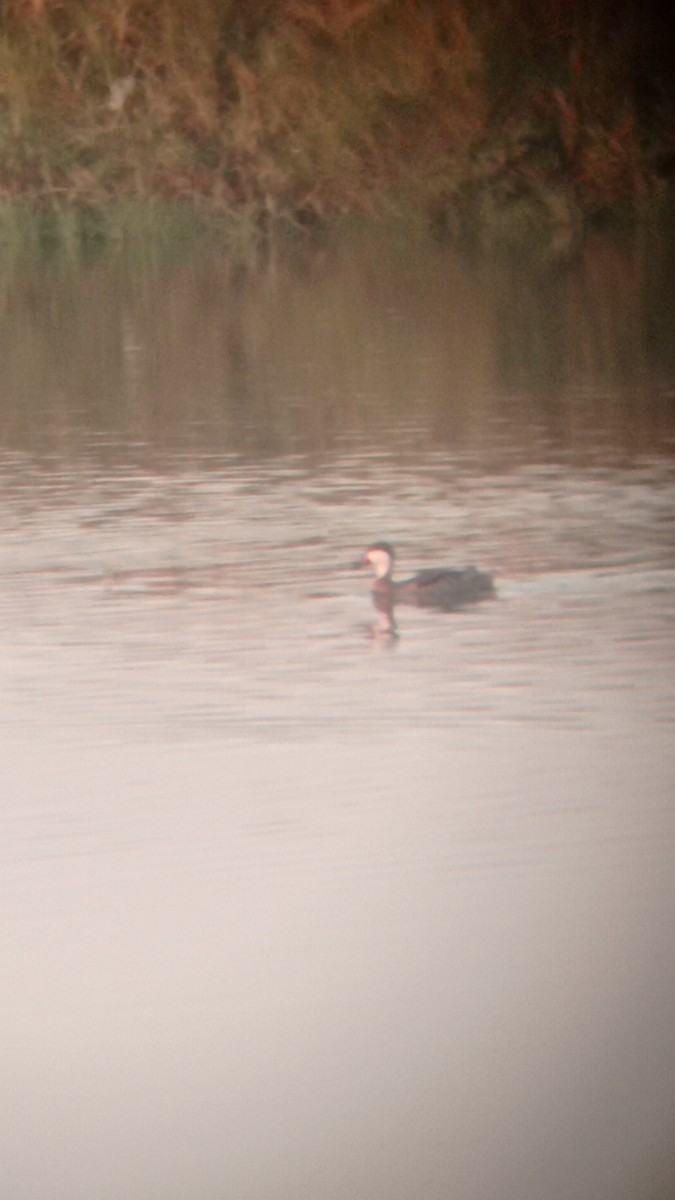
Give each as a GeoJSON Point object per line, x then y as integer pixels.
{"type": "Point", "coordinates": [288, 113]}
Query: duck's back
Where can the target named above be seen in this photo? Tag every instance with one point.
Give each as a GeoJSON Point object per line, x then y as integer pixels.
{"type": "Point", "coordinates": [446, 588]}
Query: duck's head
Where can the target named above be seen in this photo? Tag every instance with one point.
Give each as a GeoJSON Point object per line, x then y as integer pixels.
{"type": "Point", "coordinates": [380, 556]}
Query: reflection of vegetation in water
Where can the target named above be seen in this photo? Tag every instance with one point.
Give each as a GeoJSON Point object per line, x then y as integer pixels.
{"type": "Point", "coordinates": [510, 118]}
{"type": "Point", "coordinates": [359, 343]}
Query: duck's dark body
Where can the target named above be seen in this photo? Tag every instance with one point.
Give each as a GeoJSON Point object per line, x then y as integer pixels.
{"type": "Point", "coordinates": [441, 588]}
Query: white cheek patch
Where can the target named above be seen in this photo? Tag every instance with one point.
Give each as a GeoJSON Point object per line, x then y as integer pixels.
{"type": "Point", "coordinates": [380, 560]}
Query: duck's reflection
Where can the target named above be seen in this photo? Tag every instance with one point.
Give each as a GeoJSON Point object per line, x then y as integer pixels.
{"type": "Point", "coordinates": [383, 630]}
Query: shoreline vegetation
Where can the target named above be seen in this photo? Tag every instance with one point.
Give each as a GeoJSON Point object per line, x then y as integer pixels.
{"type": "Point", "coordinates": [489, 122]}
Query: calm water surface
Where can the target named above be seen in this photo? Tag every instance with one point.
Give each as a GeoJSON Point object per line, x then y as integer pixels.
{"type": "Point", "coordinates": [291, 909]}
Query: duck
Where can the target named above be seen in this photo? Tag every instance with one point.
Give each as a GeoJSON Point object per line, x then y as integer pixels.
{"type": "Point", "coordinates": [442, 588]}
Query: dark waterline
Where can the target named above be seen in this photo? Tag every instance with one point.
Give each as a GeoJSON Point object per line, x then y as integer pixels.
{"type": "Point", "coordinates": [367, 346]}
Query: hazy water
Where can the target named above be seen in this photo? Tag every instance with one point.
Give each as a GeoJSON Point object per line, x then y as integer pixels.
{"type": "Point", "coordinates": [290, 910]}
